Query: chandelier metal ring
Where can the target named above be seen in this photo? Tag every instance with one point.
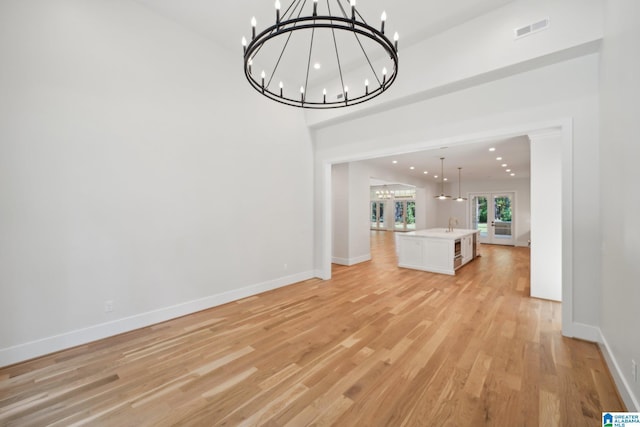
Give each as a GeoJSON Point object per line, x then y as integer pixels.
{"type": "Point", "coordinates": [352, 25]}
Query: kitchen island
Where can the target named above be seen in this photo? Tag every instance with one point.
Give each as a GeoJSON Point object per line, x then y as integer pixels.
{"type": "Point", "coordinates": [437, 250]}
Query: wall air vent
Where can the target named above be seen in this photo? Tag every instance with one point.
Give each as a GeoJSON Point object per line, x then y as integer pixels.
{"type": "Point", "coordinates": [531, 28]}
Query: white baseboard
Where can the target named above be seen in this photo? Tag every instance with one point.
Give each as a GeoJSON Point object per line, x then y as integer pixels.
{"type": "Point", "coordinates": [351, 261]}
{"type": "Point", "coordinates": [30, 350]}
{"type": "Point", "coordinates": [582, 331]}
{"type": "Point", "coordinates": [630, 401]}
{"type": "Point", "coordinates": [320, 275]}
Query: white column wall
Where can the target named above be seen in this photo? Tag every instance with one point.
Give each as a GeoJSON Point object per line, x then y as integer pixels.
{"type": "Point", "coordinates": [359, 199]}
{"type": "Point", "coordinates": [546, 215]}
{"type": "Point", "coordinates": [620, 206]}
{"type": "Point", "coordinates": [340, 213]}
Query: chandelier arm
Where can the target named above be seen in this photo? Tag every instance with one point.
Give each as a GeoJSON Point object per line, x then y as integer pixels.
{"type": "Point", "coordinates": [335, 43]}
{"type": "Point", "coordinates": [361, 17]}
{"type": "Point", "coordinates": [275, 29]}
{"type": "Point", "coordinates": [273, 73]}
{"type": "Point", "coordinates": [293, 7]}
{"type": "Point", "coordinates": [356, 11]}
{"type": "Point", "coordinates": [306, 81]}
{"type": "Point", "coordinates": [367, 57]}
{"type": "Point", "coordinates": [294, 2]}
{"type": "Point", "coordinates": [284, 48]}
{"type": "Point", "coordinates": [344, 13]}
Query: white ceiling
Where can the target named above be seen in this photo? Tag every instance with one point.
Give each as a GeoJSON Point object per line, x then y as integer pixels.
{"type": "Point", "coordinates": [225, 23]}
{"type": "Point", "coordinates": [476, 161]}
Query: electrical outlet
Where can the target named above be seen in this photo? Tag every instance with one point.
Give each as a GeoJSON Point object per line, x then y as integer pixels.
{"type": "Point", "coordinates": [108, 306]}
{"type": "Point", "coordinates": [634, 370]}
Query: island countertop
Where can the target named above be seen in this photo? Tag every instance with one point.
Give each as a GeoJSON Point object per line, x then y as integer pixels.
{"type": "Point", "coordinates": [441, 233]}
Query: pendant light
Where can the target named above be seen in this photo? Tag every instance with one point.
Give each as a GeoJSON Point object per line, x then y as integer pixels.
{"type": "Point", "coordinates": [460, 198]}
{"type": "Point", "coordinates": [442, 196]}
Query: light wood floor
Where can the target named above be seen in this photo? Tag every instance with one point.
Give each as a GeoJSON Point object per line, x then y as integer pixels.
{"type": "Point", "coordinates": [375, 346]}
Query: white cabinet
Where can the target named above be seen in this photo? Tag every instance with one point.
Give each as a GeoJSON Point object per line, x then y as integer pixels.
{"type": "Point", "coordinates": [467, 249]}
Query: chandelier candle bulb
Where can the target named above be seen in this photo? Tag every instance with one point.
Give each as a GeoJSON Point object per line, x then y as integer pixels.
{"type": "Point", "coordinates": [250, 65]}
{"type": "Point", "coordinates": [254, 23]}
{"type": "Point", "coordinates": [366, 86]}
{"type": "Point", "coordinates": [324, 96]}
{"type": "Point", "coordinates": [346, 93]}
{"type": "Point", "coordinates": [315, 7]}
{"type": "Point", "coordinates": [353, 10]}
{"type": "Point", "coordinates": [281, 86]}
{"type": "Point", "coordinates": [244, 44]}
{"type": "Point", "coordinates": [263, 75]}
{"type": "Point", "coordinates": [396, 36]}
{"type": "Point", "coordinates": [302, 94]}
{"type": "Point", "coordinates": [278, 12]}
{"type": "Point", "coordinates": [384, 75]}
{"type": "Point", "coordinates": [383, 19]}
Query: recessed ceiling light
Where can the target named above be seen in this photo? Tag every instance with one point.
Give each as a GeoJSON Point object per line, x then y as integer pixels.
{"type": "Point", "coordinates": [513, 174]}
{"type": "Point", "coordinates": [395, 162]}
{"type": "Point", "coordinates": [411, 167]}
{"type": "Point", "coordinates": [498, 158]}
{"type": "Point", "coordinates": [508, 170]}
{"type": "Point", "coordinates": [317, 65]}
{"type": "Point", "coordinates": [492, 149]}
{"type": "Point", "coordinates": [446, 179]}
{"type": "Point", "coordinates": [425, 172]}
{"type": "Point", "coordinates": [435, 176]}
{"type": "Point", "coordinates": [504, 165]}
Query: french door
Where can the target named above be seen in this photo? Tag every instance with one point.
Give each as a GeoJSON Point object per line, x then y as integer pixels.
{"type": "Point", "coordinates": [405, 215]}
{"type": "Point", "coordinates": [377, 215]}
{"type": "Point", "coordinates": [493, 214]}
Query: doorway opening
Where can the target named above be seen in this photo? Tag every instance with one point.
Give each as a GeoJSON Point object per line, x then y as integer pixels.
{"type": "Point", "coordinates": [559, 130]}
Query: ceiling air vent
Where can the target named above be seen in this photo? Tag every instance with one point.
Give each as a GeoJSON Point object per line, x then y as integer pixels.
{"type": "Point", "coordinates": [531, 28]}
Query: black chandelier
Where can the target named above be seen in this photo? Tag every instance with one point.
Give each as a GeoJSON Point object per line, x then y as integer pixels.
{"type": "Point", "coordinates": [340, 24]}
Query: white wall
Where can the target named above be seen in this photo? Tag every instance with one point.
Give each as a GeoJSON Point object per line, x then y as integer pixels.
{"type": "Point", "coordinates": [461, 210]}
{"type": "Point", "coordinates": [136, 166]}
{"type": "Point", "coordinates": [620, 175]}
{"type": "Point", "coordinates": [520, 103]}
{"type": "Point", "coordinates": [478, 51]}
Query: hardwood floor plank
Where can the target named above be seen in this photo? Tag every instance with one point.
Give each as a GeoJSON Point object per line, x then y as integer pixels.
{"type": "Point", "coordinates": [375, 345]}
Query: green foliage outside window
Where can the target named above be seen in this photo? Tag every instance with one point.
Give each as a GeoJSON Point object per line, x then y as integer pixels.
{"type": "Point", "coordinates": [411, 213]}
{"type": "Point", "coordinates": [503, 209]}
